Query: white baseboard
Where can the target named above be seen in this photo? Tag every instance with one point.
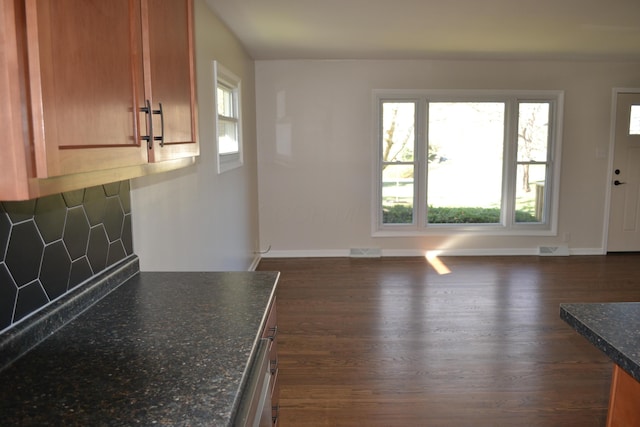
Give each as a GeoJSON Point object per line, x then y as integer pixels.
{"type": "Point", "coordinates": [587, 251]}
{"type": "Point", "coordinates": [326, 253]}
{"type": "Point", "coordinates": [254, 263]}
{"type": "Point", "coordinates": [331, 253]}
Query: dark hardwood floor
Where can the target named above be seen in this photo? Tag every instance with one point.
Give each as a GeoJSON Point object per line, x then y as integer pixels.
{"type": "Point", "coordinates": [390, 342]}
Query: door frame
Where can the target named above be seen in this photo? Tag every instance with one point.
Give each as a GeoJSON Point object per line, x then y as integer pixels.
{"type": "Point", "coordinates": [612, 140]}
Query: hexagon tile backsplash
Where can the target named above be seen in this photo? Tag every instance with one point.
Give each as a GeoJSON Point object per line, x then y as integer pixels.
{"type": "Point", "coordinates": [50, 245]}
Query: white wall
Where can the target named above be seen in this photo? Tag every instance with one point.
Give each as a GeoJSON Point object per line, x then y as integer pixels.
{"type": "Point", "coordinates": [314, 123]}
{"type": "Point", "coordinates": [194, 219]}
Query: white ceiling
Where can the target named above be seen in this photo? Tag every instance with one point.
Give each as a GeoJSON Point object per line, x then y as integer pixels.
{"type": "Point", "coordinates": [442, 29]}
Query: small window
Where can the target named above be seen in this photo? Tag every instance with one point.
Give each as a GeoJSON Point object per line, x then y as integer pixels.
{"type": "Point", "coordinates": [228, 118]}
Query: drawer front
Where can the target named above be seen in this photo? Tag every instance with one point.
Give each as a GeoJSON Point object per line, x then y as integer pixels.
{"type": "Point", "coordinates": [271, 333]}
{"type": "Point", "coordinates": [256, 408]}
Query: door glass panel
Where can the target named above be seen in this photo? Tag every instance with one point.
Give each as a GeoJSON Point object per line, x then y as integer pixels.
{"type": "Point", "coordinates": [634, 120]}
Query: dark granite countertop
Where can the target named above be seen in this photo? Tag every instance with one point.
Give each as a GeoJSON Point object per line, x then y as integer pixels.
{"type": "Point", "coordinates": [160, 349]}
{"type": "Point", "coordinates": [614, 328]}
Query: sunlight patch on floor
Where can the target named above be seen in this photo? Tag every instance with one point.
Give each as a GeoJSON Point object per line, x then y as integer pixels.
{"type": "Point", "coordinates": [436, 263]}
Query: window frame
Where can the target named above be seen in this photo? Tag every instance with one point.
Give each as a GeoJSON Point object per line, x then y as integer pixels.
{"type": "Point", "coordinates": [507, 225]}
{"type": "Point", "coordinates": [224, 77]}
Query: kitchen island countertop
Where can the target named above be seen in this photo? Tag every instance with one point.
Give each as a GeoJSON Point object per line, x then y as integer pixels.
{"type": "Point", "coordinates": [614, 328]}
{"type": "Point", "coordinates": [161, 349]}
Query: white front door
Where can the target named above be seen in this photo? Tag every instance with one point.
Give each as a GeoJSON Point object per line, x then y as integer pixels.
{"type": "Point", "coordinates": [624, 202]}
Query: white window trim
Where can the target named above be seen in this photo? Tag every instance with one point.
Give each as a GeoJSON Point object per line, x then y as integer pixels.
{"type": "Point", "coordinates": [229, 161]}
{"type": "Point", "coordinates": [549, 228]}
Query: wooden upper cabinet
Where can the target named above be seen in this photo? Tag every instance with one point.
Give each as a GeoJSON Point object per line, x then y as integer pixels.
{"type": "Point", "coordinates": [79, 75]}
{"type": "Point", "coordinates": [170, 77]}
{"type": "Point", "coordinates": [15, 155]}
{"type": "Point", "coordinates": [85, 75]}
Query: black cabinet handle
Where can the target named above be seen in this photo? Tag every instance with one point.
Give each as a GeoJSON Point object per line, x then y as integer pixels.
{"type": "Point", "coordinates": [149, 112]}
{"type": "Point", "coordinates": [274, 332]}
{"type": "Point", "coordinates": [161, 137]}
{"type": "Point", "coordinates": [148, 138]}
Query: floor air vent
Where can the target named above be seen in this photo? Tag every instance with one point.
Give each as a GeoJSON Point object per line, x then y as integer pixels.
{"type": "Point", "coordinates": [365, 253]}
{"type": "Point", "coordinates": [553, 250]}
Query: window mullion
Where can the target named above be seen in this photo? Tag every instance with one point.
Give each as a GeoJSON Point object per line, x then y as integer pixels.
{"type": "Point", "coordinates": [422, 120]}
{"type": "Point", "coordinates": [510, 163]}
{"type": "Point", "coordinates": [550, 176]}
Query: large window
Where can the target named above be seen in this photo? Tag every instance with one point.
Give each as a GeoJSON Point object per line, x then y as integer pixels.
{"type": "Point", "coordinates": [228, 123]}
{"type": "Point", "coordinates": [481, 162]}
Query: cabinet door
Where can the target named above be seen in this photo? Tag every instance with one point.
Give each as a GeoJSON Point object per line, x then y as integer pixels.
{"type": "Point", "coordinates": [85, 79]}
{"type": "Point", "coordinates": [14, 158]}
{"type": "Point", "coordinates": [170, 77]}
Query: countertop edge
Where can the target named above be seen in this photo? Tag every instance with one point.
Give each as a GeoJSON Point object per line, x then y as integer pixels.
{"type": "Point", "coordinates": [600, 342]}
